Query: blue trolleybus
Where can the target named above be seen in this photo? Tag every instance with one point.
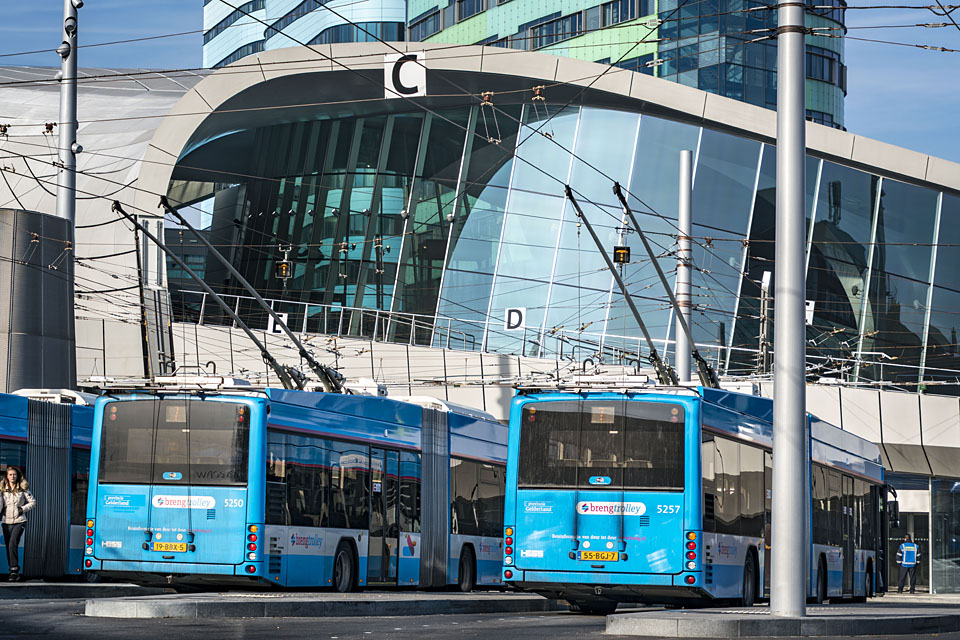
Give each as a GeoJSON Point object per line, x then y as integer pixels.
{"type": "Point", "coordinates": [663, 495]}
{"type": "Point", "coordinates": [49, 440]}
{"type": "Point", "coordinates": [295, 488]}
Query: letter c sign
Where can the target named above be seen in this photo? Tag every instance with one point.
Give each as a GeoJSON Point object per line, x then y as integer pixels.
{"type": "Point", "coordinates": [404, 75]}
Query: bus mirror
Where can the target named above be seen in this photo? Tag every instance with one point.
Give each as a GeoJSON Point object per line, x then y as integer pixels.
{"type": "Point", "coordinates": [893, 512]}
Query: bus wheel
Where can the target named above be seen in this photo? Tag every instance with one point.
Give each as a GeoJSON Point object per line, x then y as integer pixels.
{"type": "Point", "coordinates": [593, 607]}
{"type": "Point", "coordinates": [749, 582]}
{"type": "Point", "coordinates": [467, 574]}
{"type": "Point", "coordinates": [821, 596]}
{"type": "Point", "coordinates": [344, 569]}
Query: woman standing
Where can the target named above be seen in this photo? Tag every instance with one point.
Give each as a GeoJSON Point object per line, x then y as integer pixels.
{"type": "Point", "coordinates": [17, 500]}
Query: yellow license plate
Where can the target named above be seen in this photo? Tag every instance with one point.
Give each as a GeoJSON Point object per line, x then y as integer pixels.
{"type": "Point", "coordinates": [602, 556]}
{"type": "Point", "coordinates": [177, 547]}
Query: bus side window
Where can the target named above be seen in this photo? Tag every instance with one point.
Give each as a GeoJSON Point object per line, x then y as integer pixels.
{"type": "Point", "coordinates": [820, 508]}
{"type": "Point", "coordinates": [410, 492]}
{"type": "Point", "coordinates": [751, 491]}
{"type": "Point", "coordinates": [708, 452]}
{"type": "Point", "coordinates": [80, 483]}
{"type": "Point", "coordinates": [727, 469]}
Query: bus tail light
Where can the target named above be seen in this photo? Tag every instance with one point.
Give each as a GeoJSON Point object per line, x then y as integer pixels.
{"type": "Point", "coordinates": [508, 574]}
{"type": "Point", "coordinates": [508, 550]}
{"type": "Point", "coordinates": [251, 568]}
{"type": "Point", "coordinates": [691, 555]}
{"type": "Point", "coordinates": [689, 579]}
{"type": "Point", "coordinates": [252, 546]}
{"type": "Point", "coordinates": [88, 563]}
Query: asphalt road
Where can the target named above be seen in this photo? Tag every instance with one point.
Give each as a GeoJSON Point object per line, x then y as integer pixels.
{"type": "Point", "coordinates": [54, 619]}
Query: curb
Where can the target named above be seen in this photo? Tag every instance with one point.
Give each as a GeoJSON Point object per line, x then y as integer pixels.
{"type": "Point", "coordinates": [71, 591]}
{"type": "Point", "coordinates": [283, 607]}
{"type": "Point", "coordinates": [705, 625]}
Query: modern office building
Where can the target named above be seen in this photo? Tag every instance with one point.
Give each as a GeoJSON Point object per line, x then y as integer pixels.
{"type": "Point", "coordinates": [231, 32]}
{"type": "Point", "coordinates": [721, 46]}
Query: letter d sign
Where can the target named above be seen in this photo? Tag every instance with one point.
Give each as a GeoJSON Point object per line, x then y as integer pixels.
{"type": "Point", "coordinates": [404, 75]}
{"type": "Point", "coordinates": [514, 319]}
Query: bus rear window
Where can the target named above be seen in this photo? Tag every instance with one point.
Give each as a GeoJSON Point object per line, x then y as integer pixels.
{"type": "Point", "coordinates": [620, 443]}
{"type": "Point", "coordinates": [174, 442]}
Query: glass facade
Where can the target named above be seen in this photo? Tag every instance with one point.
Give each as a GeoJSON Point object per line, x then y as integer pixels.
{"type": "Point", "coordinates": [427, 227]}
{"type": "Point", "coordinates": [725, 47]}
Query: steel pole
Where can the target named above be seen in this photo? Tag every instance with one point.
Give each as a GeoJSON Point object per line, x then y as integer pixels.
{"type": "Point", "coordinates": [790, 429]}
{"type": "Point", "coordinates": [67, 147]}
{"type": "Point", "coordinates": [684, 225]}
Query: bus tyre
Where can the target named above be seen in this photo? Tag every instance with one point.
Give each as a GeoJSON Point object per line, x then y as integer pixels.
{"type": "Point", "coordinates": [593, 607]}
{"type": "Point", "coordinates": [467, 573]}
{"type": "Point", "coordinates": [821, 593]}
{"type": "Point", "coordinates": [749, 582]}
{"type": "Point", "coordinates": [344, 568]}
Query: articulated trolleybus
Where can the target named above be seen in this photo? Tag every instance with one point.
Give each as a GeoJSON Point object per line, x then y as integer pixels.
{"type": "Point", "coordinates": [294, 488]}
{"type": "Point", "coordinates": [663, 495]}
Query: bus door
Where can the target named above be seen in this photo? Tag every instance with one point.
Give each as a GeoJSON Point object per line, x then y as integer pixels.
{"type": "Point", "coordinates": [847, 533]}
{"type": "Point", "coordinates": [383, 543]}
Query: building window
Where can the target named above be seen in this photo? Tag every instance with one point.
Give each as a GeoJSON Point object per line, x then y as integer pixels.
{"type": "Point", "coordinates": [835, 12]}
{"type": "Point", "coordinates": [641, 64]}
{"type": "Point", "coordinates": [242, 52]}
{"type": "Point", "coordinates": [425, 27]}
{"type": "Point", "coordinates": [557, 30]}
{"type": "Point", "coordinates": [824, 65]}
{"type": "Point", "coordinates": [468, 8]}
{"type": "Point", "coordinates": [233, 16]}
{"type": "Point", "coordinates": [362, 32]}
{"type": "Point", "coordinates": [292, 16]}
{"type": "Point", "coordinates": [494, 41]}
{"type": "Point", "coordinates": [617, 11]}
{"type": "Point", "coordinates": [823, 118]}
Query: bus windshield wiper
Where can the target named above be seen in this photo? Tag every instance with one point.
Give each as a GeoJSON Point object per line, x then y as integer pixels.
{"type": "Point", "coordinates": [289, 377]}
{"type": "Point", "coordinates": [665, 374]}
{"type": "Point", "coordinates": [708, 377]}
{"type": "Point", "coordinates": [330, 378]}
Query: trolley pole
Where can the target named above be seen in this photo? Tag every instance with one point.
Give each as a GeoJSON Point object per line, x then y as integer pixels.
{"type": "Point", "coordinates": [685, 216]}
{"type": "Point", "coordinates": [790, 430]}
{"type": "Point", "coordinates": [67, 147]}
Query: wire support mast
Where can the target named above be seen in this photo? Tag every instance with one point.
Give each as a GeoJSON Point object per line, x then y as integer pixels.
{"type": "Point", "coordinates": [665, 374]}
{"type": "Point", "coordinates": [708, 377]}
{"type": "Point", "coordinates": [289, 377]}
{"type": "Point", "coordinates": [331, 379]}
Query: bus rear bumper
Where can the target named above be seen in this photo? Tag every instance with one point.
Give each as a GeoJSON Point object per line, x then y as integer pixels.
{"type": "Point", "coordinates": [176, 572]}
{"type": "Point", "coordinates": [652, 588]}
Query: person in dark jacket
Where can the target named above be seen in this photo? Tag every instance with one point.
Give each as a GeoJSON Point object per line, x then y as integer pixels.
{"type": "Point", "coordinates": [907, 557]}
{"type": "Point", "coordinates": [17, 500]}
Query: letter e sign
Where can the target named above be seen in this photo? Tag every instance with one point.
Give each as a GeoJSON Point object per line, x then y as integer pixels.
{"type": "Point", "coordinates": [514, 319]}
{"type": "Point", "coordinates": [404, 75]}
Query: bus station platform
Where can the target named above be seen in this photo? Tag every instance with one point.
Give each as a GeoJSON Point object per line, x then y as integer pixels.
{"type": "Point", "coordinates": [40, 590]}
{"type": "Point", "coordinates": [889, 616]}
{"type": "Point", "coordinates": [294, 604]}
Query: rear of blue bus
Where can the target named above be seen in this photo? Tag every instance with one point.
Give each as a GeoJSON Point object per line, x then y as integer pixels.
{"type": "Point", "coordinates": [169, 499]}
{"type": "Point", "coordinates": [603, 498]}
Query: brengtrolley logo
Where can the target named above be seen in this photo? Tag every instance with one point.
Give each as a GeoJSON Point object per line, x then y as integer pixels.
{"type": "Point", "coordinates": [305, 541]}
{"type": "Point", "coordinates": [182, 502]}
{"type": "Point", "coordinates": [611, 508]}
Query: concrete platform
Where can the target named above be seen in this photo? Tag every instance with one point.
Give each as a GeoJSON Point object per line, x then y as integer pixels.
{"type": "Point", "coordinates": [316, 605]}
{"type": "Point", "coordinates": [888, 619]}
{"type": "Point", "coordinates": [39, 590]}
